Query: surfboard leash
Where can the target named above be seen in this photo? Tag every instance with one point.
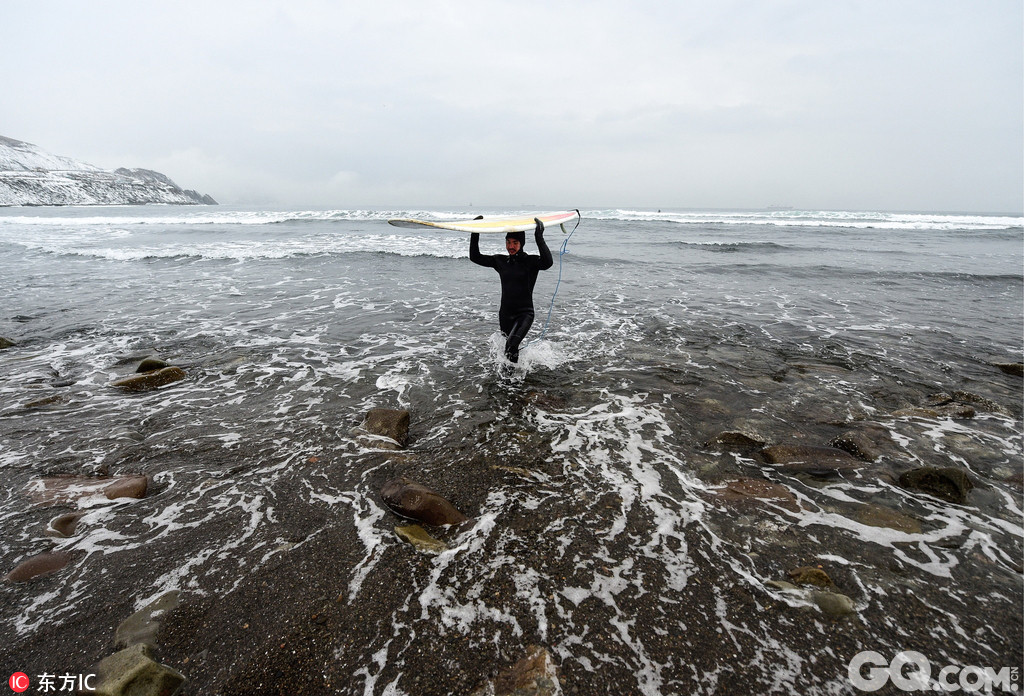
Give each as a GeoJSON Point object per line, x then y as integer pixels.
{"type": "Point", "coordinates": [561, 252]}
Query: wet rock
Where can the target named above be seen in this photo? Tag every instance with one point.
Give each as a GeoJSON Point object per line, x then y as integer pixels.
{"type": "Point", "coordinates": [150, 380]}
{"type": "Point", "coordinates": [69, 490]}
{"type": "Point", "coordinates": [386, 422]}
{"type": "Point", "coordinates": [938, 399]}
{"type": "Point", "coordinates": [735, 441]}
{"type": "Point", "coordinates": [64, 525]}
{"type": "Point", "coordinates": [418, 537]}
{"type": "Point", "coordinates": [958, 411]}
{"type": "Point", "coordinates": [880, 516]}
{"type": "Point", "coordinates": [141, 627]}
{"type": "Point", "coordinates": [747, 490]}
{"type": "Point", "coordinates": [54, 400]}
{"type": "Point", "coordinates": [865, 444]}
{"type": "Point", "coordinates": [833, 604]}
{"type": "Point", "coordinates": [546, 401]}
{"type": "Point", "coordinates": [534, 675]}
{"type": "Point", "coordinates": [949, 483]}
{"type": "Point", "coordinates": [940, 405]}
{"type": "Point", "coordinates": [5, 343]}
{"type": "Point", "coordinates": [808, 575]}
{"type": "Point", "coordinates": [1014, 368]}
{"type": "Point", "coordinates": [966, 397]}
{"type": "Point", "coordinates": [127, 487]}
{"type": "Point", "coordinates": [409, 499]}
{"type": "Point", "coordinates": [133, 672]}
{"type": "Point", "coordinates": [817, 461]}
{"type": "Point", "coordinates": [151, 364]}
{"type": "Point", "coordinates": [40, 565]}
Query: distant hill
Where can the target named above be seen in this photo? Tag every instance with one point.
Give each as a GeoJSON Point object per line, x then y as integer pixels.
{"type": "Point", "coordinates": [31, 176]}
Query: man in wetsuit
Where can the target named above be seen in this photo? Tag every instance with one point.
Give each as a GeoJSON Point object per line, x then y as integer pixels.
{"type": "Point", "coordinates": [518, 272]}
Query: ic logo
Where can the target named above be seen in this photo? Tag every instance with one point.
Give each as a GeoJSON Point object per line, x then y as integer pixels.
{"type": "Point", "coordinates": [18, 682]}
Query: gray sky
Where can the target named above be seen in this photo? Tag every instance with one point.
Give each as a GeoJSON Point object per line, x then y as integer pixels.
{"type": "Point", "coordinates": [894, 105]}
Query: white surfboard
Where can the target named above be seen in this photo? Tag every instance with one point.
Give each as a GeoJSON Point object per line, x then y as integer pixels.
{"type": "Point", "coordinates": [502, 225]}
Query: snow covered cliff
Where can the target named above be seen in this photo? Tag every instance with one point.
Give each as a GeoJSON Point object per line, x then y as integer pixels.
{"type": "Point", "coordinates": [30, 176]}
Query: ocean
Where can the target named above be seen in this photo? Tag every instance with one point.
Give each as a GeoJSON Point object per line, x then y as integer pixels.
{"type": "Point", "coordinates": [625, 515]}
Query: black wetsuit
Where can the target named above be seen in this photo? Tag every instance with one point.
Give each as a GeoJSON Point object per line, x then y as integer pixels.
{"type": "Point", "coordinates": [518, 276]}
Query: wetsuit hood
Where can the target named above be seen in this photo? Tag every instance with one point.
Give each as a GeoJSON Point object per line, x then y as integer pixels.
{"type": "Point", "coordinates": [520, 236]}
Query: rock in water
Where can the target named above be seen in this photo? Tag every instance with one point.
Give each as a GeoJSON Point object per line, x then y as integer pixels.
{"type": "Point", "coordinates": [940, 405]}
{"type": "Point", "coordinates": [150, 380]}
{"type": "Point", "coordinates": [409, 499]}
{"type": "Point", "coordinates": [5, 343]}
{"type": "Point", "coordinates": [40, 565]}
{"type": "Point", "coordinates": [534, 675]}
{"type": "Point", "coordinates": [834, 604]}
{"type": "Point", "coordinates": [127, 487]}
{"type": "Point", "coordinates": [865, 443]}
{"type": "Point", "coordinates": [950, 483]}
{"type": "Point", "coordinates": [133, 672]}
{"type": "Point", "coordinates": [151, 364]}
{"type": "Point", "coordinates": [879, 516]}
{"type": "Point", "coordinates": [142, 626]}
{"type": "Point", "coordinates": [64, 525]}
{"type": "Point", "coordinates": [1016, 368]}
{"type": "Point", "coordinates": [389, 423]}
{"type": "Point", "coordinates": [70, 490]}
{"type": "Point", "coordinates": [966, 397]}
{"type": "Point", "coordinates": [735, 441]}
{"type": "Point", "coordinates": [807, 575]}
{"type": "Point", "coordinates": [818, 461]}
{"type": "Point", "coordinates": [745, 490]}
{"type": "Point", "coordinates": [418, 537]}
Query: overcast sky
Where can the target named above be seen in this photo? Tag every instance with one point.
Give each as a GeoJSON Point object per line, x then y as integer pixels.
{"type": "Point", "coordinates": [891, 105]}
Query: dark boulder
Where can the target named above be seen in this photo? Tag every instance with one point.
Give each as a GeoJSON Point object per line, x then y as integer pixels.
{"type": "Point", "coordinates": [817, 461]}
{"type": "Point", "coordinates": [148, 381]}
{"type": "Point", "coordinates": [142, 626]}
{"type": "Point", "coordinates": [151, 364]}
{"type": "Point", "coordinates": [1016, 368]}
{"type": "Point", "coordinates": [809, 575]}
{"type": "Point", "coordinates": [414, 501]}
{"type": "Point", "coordinates": [133, 672]}
{"type": "Point", "coordinates": [735, 441]}
{"type": "Point", "coordinates": [866, 443]}
{"type": "Point", "coordinates": [949, 483]}
{"type": "Point", "coordinates": [534, 675]}
{"type": "Point", "coordinates": [387, 422]}
{"type": "Point", "coordinates": [69, 490]}
{"type": "Point", "coordinates": [40, 565]}
{"type": "Point", "coordinates": [747, 490]}
{"type": "Point", "coordinates": [881, 516]}
{"type": "Point", "coordinates": [64, 525]}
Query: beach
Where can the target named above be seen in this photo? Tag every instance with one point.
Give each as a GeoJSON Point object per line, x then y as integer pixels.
{"type": "Point", "coordinates": [746, 447]}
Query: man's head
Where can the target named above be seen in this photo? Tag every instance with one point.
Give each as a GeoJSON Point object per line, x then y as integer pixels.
{"type": "Point", "coordinates": [514, 242]}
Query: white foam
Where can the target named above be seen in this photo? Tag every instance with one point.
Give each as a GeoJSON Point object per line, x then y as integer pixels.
{"type": "Point", "coordinates": [818, 218]}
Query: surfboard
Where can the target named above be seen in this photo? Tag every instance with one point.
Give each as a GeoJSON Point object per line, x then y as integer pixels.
{"type": "Point", "coordinates": [502, 225]}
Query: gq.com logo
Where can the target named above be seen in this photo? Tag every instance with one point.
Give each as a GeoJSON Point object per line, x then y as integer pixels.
{"type": "Point", "coordinates": [911, 671]}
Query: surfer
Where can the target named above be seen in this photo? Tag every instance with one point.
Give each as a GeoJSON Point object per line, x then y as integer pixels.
{"type": "Point", "coordinates": [518, 273]}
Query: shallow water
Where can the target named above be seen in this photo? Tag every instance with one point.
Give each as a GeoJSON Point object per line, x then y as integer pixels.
{"type": "Point", "coordinates": [597, 530]}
